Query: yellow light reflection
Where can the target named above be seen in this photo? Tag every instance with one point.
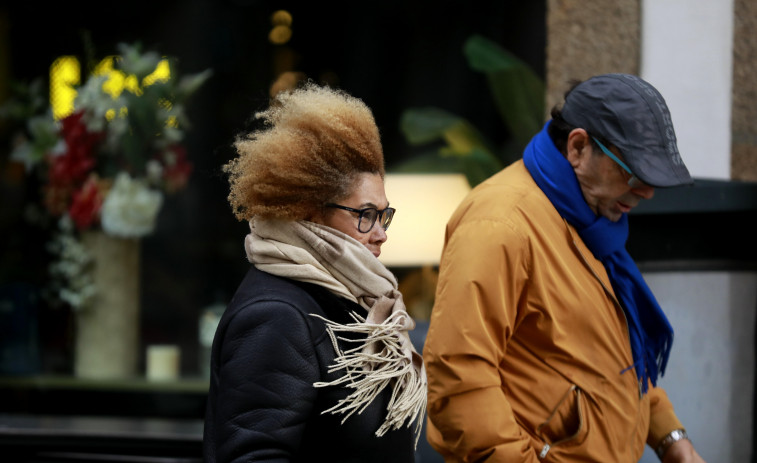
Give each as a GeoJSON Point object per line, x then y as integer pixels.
{"type": "Point", "coordinates": [65, 73]}
{"type": "Point", "coordinates": [281, 18]}
{"type": "Point", "coordinates": [280, 35]}
{"type": "Point", "coordinates": [282, 27]}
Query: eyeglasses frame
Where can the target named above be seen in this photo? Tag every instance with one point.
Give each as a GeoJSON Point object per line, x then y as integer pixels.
{"type": "Point", "coordinates": [361, 213]}
{"type": "Point", "coordinates": [634, 181]}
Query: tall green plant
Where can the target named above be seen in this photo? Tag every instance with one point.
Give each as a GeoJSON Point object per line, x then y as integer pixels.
{"type": "Point", "coordinates": [518, 94]}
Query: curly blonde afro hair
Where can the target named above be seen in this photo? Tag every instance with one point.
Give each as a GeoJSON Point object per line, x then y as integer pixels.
{"type": "Point", "coordinates": [315, 142]}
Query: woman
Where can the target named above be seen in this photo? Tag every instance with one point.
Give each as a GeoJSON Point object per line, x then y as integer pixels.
{"type": "Point", "coordinates": [311, 359]}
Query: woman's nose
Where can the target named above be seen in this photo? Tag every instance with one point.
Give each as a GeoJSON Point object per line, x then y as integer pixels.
{"type": "Point", "coordinates": [378, 234]}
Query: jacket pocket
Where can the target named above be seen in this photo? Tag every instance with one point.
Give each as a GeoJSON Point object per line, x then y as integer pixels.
{"type": "Point", "coordinates": [566, 424]}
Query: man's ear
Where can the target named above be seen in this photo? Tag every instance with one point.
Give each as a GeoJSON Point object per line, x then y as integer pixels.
{"type": "Point", "coordinates": [577, 146]}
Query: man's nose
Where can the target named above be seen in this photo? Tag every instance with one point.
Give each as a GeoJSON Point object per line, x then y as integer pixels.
{"type": "Point", "coordinates": [643, 190]}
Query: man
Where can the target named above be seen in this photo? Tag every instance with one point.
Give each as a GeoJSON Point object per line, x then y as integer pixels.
{"type": "Point", "coordinates": [545, 343]}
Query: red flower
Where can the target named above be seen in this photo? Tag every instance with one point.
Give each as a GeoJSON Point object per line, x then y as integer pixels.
{"type": "Point", "coordinates": [176, 168]}
{"type": "Point", "coordinates": [69, 170]}
{"type": "Point", "coordinates": [76, 135]}
{"type": "Point", "coordinates": [75, 164]}
{"type": "Point", "coordinates": [86, 203]}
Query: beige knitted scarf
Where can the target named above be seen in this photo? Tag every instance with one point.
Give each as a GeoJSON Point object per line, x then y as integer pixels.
{"type": "Point", "coordinates": [314, 253]}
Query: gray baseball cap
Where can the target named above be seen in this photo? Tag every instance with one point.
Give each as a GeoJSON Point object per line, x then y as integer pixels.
{"type": "Point", "coordinates": [631, 114]}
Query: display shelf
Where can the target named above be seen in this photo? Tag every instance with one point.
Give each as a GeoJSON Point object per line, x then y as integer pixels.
{"type": "Point", "coordinates": [137, 397]}
{"type": "Point", "coordinates": [47, 439]}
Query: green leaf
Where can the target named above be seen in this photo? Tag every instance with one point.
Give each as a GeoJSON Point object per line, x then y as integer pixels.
{"type": "Point", "coordinates": [189, 84]}
{"type": "Point", "coordinates": [518, 92]}
{"type": "Point", "coordinates": [425, 125]}
{"type": "Point", "coordinates": [464, 150]}
{"type": "Point", "coordinates": [518, 95]}
{"type": "Point", "coordinates": [477, 166]}
{"type": "Point", "coordinates": [427, 162]}
{"type": "Point", "coordinates": [486, 56]}
{"type": "Point", "coordinates": [480, 165]}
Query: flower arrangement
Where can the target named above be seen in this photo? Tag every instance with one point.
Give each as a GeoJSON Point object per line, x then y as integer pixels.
{"type": "Point", "coordinates": [108, 164]}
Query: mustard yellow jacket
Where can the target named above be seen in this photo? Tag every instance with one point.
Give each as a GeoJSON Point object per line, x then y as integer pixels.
{"type": "Point", "coordinates": [528, 349]}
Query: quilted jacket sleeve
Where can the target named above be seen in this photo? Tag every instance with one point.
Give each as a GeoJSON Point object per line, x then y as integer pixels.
{"type": "Point", "coordinates": [266, 370]}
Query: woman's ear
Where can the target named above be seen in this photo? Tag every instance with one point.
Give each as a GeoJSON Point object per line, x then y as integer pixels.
{"type": "Point", "coordinates": [316, 217]}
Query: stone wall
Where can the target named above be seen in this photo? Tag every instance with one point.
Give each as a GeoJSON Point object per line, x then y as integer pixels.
{"type": "Point", "coordinates": [744, 104]}
{"type": "Point", "coordinates": [588, 38]}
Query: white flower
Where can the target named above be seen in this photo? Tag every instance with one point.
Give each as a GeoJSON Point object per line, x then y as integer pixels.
{"type": "Point", "coordinates": [97, 102]}
{"type": "Point", "coordinates": [44, 134]}
{"type": "Point", "coordinates": [117, 129]}
{"type": "Point", "coordinates": [71, 273]}
{"type": "Point", "coordinates": [133, 61]}
{"type": "Point", "coordinates": [190, 84]}
{"type": "Point", "coordinates": [24, 153]}
{"type": "Point", "coordinates": [154, 171]}
{"type": "Point", "coordinates": [59, 149]}
{"type": "Point", "coordinates": [130, 209]}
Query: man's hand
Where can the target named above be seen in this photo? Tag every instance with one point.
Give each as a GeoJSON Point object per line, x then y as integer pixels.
{"type": "Point", "coordinates": [682, 452]}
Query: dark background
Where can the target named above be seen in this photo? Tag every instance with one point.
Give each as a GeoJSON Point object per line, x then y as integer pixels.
{"type": "Point", "coordinates": [392, 54]}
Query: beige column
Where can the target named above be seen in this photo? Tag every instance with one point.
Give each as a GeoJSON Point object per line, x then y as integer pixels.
{"type": "Point", "coordinates": [744, 104]}
{"type": "Point", "coordinates": [585, 38]}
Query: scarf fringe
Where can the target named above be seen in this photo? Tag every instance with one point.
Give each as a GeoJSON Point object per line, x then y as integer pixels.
{"type": "Point", "coordinates": [377, 363]}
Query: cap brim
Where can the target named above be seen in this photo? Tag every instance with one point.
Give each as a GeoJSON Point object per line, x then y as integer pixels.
{"type": "Point", "coordinates": [658, 172]}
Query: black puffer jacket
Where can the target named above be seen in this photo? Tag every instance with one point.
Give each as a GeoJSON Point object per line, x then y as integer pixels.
{"type": "Point", "coordinates": [262, 406]}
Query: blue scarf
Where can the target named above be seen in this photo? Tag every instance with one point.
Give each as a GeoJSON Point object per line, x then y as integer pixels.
{"type": "Point", "coordinates": [649, 330]}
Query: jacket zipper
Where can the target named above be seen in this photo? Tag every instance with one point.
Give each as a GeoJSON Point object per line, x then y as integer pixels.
{"type": "Point", "coordinates": [609, 293]}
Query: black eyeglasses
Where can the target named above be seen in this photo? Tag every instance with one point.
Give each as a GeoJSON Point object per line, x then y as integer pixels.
{"type": "Point", "coordinates": [367, 217]}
